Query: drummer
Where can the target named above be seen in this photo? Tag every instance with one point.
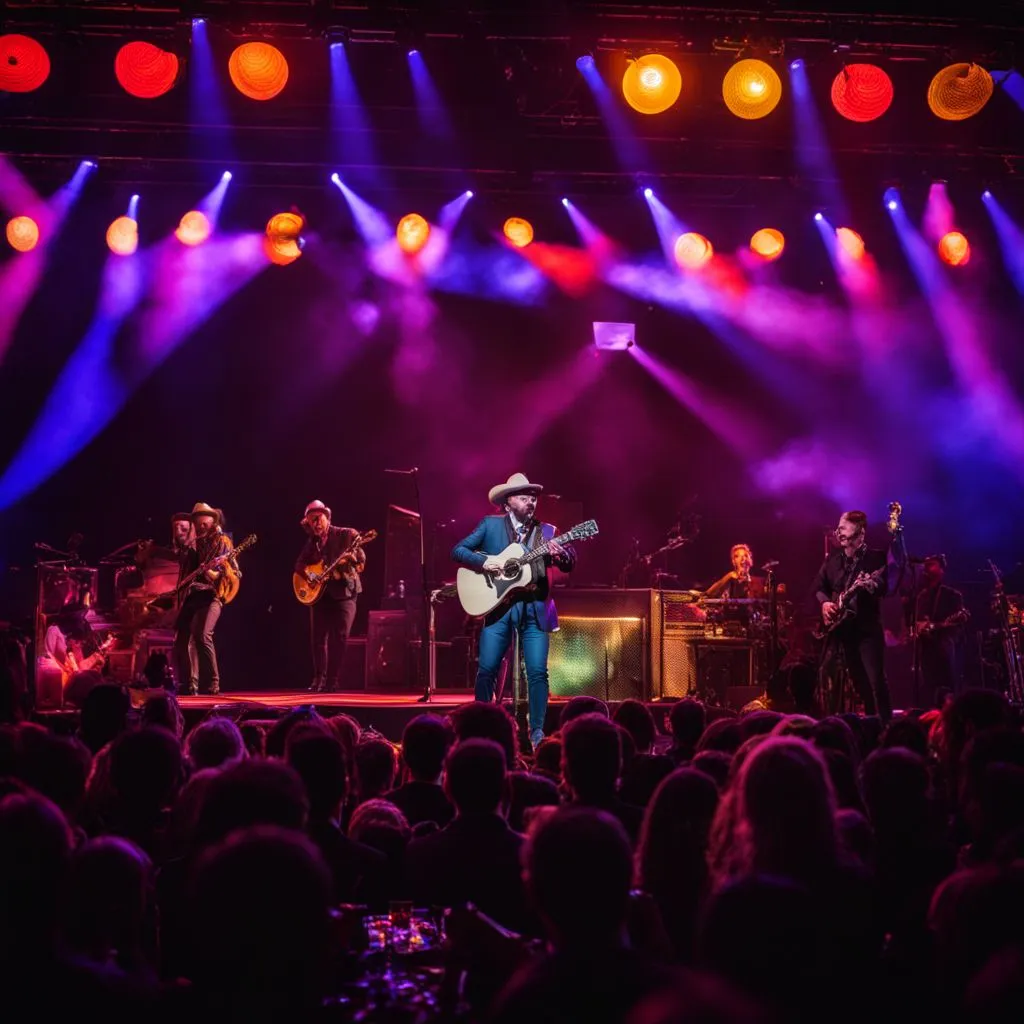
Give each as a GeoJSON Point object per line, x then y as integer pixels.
{"type": "Point", "coordinates": [738, 583]}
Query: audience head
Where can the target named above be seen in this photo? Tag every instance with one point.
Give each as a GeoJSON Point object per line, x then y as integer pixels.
{"type": "Point", "coordinates": [318, 757]}
{"type": "Point", "coordinates": [894, 782]}
{"type": "Point", "coordinates": [251, 792]}
{"type": "Point", "coordinates": [527, 791]}
{"type": "Point", "coordinates": [161, 708]}
{"type": "Point", "coordinates": [591, 757]}
{"type": "Point", "coordinates": [759, 723]}
{"type": "Point", "coordinates": [260, 909]}
{"type": "Point", "coordinates": [637, 720]}
{"type": "Point", "coordinates": [578, 869]}
{"type": "Point", "coordinates": [213, 743]}
{"type": "Point", "coordinates": [715, 764]}
{"type": "Point", "coordinates": [55, 766]}
{"type": "Point", "coordinates": [146, 769]}
{"type": "Point", "coordinates": [425, 742]}
{"type": "Point", "coordinates": [583, 704]}
{"type": "Point", "coordinates": [547, 758]}
{"type": "Point", "coordinates": [688, 720]}
{"type": "Point", "coordinates": [105, 713]}
{"type": "Point", "coordinates": [475, 777]}
{"type": "Point", "coordinates": [376, 766]}
{"type": "Point", "coordinates": [380, 824]}
{"type": "Point", "coordinates": [721, 734]}
{"type": "Point", "coordinates": [481, 721]}
{"type": "Point", "coordinates": [277, 735]}
{"type": "Point", "coordinates": [907, 732]}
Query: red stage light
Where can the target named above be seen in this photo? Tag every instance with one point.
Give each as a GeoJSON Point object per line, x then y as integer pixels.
{"type": "Point", "coordinates": [193, 229]}
{"type": "Point", "coordinates": [412, 233]}
{"type": "Point", "coordinates": [24, 64]}
{"type": "Point", "coordinates": [954, 249]}
{"type": "Point", "coordinates": [258, 70]}
{"type": "Point", "coordinates": [768, 243]}
{"type": "Point", "coordinates": [22, 233]}
{"type": "Point", "coordinates": [144, 70]}
{"type": "Point", "coordinates": [692, 251]}
{"type": "Point", "coordinates": [850, 242]}
{"type": "Point", "coordinates": [862, 92]}
{"type": "Point", "coordinates": [123, 236]}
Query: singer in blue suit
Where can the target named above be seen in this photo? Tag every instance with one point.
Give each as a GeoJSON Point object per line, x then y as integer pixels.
{"type": "Point", "coordinates": [530, 611]}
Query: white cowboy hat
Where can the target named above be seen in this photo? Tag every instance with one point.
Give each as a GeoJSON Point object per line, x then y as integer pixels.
{"type": "Point", "coordinates": [200, 508]}
{"type": "Point", "coordinates": [314, 507]}
{"type": "Point", "coordinates": [515, 484]}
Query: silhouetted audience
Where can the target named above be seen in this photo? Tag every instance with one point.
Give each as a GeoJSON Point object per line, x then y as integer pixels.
{"type": "Point", "coordinates": [425, 742]}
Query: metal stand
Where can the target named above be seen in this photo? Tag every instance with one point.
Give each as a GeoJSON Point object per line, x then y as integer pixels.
{"type": "Point", "coordinates": [519, 704]}
{"type": "Point", "coordinates": [427, 649]}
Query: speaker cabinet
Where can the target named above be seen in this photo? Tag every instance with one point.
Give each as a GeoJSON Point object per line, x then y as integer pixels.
{"type": "Point", "coordinates": [390, 653]}
{"type": "Point", "coordinates": [675, 627]}
{"type": "Point", "coordinates": [602, 657]}
{"type": "Point", "coordinates": [726, 672]}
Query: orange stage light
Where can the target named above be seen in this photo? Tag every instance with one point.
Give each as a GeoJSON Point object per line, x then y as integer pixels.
{"type": "Point", "coordinates": [283, 242]}
{"type": "Point", "coordinates": [959, 91]}
{"type": "Point", "coordinates": [850, 242]}
{"type": "Point", "coordinates": [22, 233]}
{"type": "Point", "coordinates": [258, 70]}
{"type": "Point", "coordinates": [518, 231]}
{"type": "Point", "coordinates": [954, 249]}
{"type": "Point", "coordinates": [123, 236]}
{"type": "Point", "coordinates": [768, 243]}
{"type": "Point", "coordinates": [283, 251]}
{"type": "Point", "coordinates": [412, 233]}
{"type": "Point", "coordinates": [652, 83]}
{"type": "Point", "coordinates": [145, 71]}
{"type": "Point", "coordinates": [751, 89]}
{"type": "Point", "coordinates": [24, 64]}
{"type": "Point", "coordinates": [692, 251]}
{"type": "Point", "coordinates": [193, 229]}
{"type": "Point", "coordinates": [862, 92]}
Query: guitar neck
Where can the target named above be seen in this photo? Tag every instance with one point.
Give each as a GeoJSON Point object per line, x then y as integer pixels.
{"type": "Point", "coordinates": [542, 549]}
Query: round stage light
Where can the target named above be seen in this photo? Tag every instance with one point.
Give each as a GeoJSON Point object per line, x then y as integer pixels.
{"type": "Point", "coordinates": [22, 233]}
{"type": "Point", "coordinates": [24, 64]}
{"type": "Point", "coordinates": [123, 236]}
{"type": "Point", "coordinates": [751, 89]}
{"type": "Point", "coordinates": [954, 249]}
{"type": "Point", "coordinates": [850, 242]}
{"type": "Point", "coordinates": [959, 91]}
{"type": "Point", "coordinates": [258, 70]}
{"type": "Point", "coordinates": [768, 243]}
{"type": "Point", "coordinates": [692, 251]}
{"type": "Point", "coordinates": [518, 231]}
{"type": "Point", "coordinates": [193, 229]}
{"type": "Point", "coordinates": [652, 83]}
{"type": "Point", "coordinates": [862, 92]}
{"type": "Point", "coordinates": [282, 251]}
{"type": "Point", "coordinates": [145, 71]}
{"type": "Point", "coordinates": [412, 233]}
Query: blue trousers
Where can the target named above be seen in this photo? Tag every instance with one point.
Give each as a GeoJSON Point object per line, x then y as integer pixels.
{"type": "Point", "coordinates": [495, 640]}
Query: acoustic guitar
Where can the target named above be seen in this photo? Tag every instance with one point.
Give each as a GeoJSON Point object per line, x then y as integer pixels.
{"type": "Point", "coordinates": [481, 592]}
{"type": "Point", "coordinates": [93, 660]}
{"type": "Point", "coordinates": [309, 586]}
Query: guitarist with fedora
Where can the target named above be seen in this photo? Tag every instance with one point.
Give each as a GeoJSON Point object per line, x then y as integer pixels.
{"type": "Point", "coordinates": [195, 656]}
{"type": "Point", "coordinates": [331, 617]}
{"type": "Point", "coordinates": [854, 624]}
{"type": "Point", "coordinates": [531, 612]}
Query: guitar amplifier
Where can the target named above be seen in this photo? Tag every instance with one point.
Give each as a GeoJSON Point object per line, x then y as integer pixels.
{"type": "Point", "coordinates": [600, 656]}
{"type": "Point", "coordinates": [391, 655]}
{"type": "Point", "coordinates": [674, 629]}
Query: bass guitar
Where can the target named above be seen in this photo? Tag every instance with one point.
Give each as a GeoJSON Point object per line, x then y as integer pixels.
{"type": "Point", "coordinates": [309, 586]}
{"type": "Point", "coordinates": [481, 592]}
{"type": "Point", "coordinates": [227, 585]}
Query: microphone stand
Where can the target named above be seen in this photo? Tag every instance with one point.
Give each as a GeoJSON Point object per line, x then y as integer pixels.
{"type": "Point", "coordinates": [426, 606]}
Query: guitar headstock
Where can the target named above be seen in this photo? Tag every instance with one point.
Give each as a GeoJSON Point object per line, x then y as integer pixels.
{"type": "Point", "coordinates": [582, 531]}
{"type": "Point", "coordinates": [247, 543]}
{"type": "Point", "coordinates": [365, 538]}
{"type": "Point", "coordinates": [895, 511]}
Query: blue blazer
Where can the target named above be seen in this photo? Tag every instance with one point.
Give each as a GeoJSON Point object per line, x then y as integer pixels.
{"type": "Point", "coordinates": [492, 535]}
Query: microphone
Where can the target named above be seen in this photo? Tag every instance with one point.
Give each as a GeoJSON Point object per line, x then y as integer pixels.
{"type": "Point", "coordinates": [769, 565]}
{"type": "Point", "coordinates": [403, 472]}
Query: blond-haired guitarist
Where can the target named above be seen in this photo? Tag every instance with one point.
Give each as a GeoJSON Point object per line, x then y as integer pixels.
{"type": "Point", "coordinates": [203, 599]}
{"type": "Point", "coordinates": [331, 617]}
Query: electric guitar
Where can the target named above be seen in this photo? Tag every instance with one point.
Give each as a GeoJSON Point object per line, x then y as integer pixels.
{"type": "Point", "coordinates": [869, 581]}
{"type": "Point", "coordinates": [309, 585]}
{"type": "Point", "coordinates": [97, 657]}
{"type": "Point", "coordinates": [925, 627]}
{"type": "Point", "coordinates": [481, 592]}
{"type": "Point", "coordinates": [227, 585]}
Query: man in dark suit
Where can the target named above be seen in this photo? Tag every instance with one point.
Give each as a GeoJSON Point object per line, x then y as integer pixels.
{"type": "Point", "coordinates": [531, 612]}
{"type": "Point", "coordinates": [940, 615]}
{"type": "Point", "coordinates": [475, 859]}
{"type": "Point", "coordinates": [332, 616]}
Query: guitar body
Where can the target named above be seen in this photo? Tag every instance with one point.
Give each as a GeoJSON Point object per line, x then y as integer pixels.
{"type": "Point", "coordinates": [481, 592]}
{"type": "Point", "coordinates": [305, 591]}
{"type": "Point", "coordinates": [228, 584]}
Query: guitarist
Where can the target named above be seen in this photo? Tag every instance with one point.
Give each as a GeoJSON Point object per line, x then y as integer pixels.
{"type": "Point", "coordinates": [195, 656]}
{"type": "Point", "coordinates": [940, 613]}
{"type": "Point", "coordinates": [860, 636]}
{"type": "Point", "coordinates": [331, 617]}
{"type": "Point", "coordinates": [531, 612]}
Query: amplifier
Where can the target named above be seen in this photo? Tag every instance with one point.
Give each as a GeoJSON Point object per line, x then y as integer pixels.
{"type": "Point", "coordinates": [674, 628]}
{"type": "Point", "coordinates": [602, 657]}
{"type": "Point", "coordinates": [390, 653]}
{"type": "Point", "coordinates": [726, 671]}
